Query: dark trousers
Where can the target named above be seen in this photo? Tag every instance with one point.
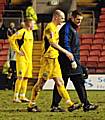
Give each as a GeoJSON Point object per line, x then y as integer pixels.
{"type": "Point", "coordinates": [78, 83]}
{"type": "Point", "coordinates": [11, 83]}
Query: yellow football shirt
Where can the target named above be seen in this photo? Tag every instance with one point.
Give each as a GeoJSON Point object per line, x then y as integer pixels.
{"type": "Point", "coordinates": [26, 47]}
{"type": "Point", "coordinates": [50, 35]}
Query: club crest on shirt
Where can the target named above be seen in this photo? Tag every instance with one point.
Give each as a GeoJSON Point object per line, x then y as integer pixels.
{"type": "Point", "coordinates": [20, 72]}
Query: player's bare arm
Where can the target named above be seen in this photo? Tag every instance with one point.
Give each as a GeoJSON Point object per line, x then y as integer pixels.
{"type": "Point", "coordinates": [58, 47]}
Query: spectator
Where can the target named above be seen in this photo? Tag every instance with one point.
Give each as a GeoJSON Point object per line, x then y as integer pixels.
{"type": "Point", "coordinates": [3, 30]}
{"type": "Point", "coordinates": [30, 12]}
{"type": "Point", "coordinates": [11, 30]}
{"type": "Point", "coordinates": [12, 61]}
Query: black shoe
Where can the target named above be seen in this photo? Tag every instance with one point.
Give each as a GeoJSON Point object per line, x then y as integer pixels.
{"type": "Point", "coordinates": [57, 109]}
{"type": "Point", "coordinates": [74, 107]}
{"type": "Point", "coordinates": [33, 109]}
{"type": "Point", "coordinates": [89, 107]}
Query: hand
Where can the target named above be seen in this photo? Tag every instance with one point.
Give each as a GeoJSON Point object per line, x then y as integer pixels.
{"type": "Point", "coordinates": [74, 65]}
{"type": "Point", "coordinates": [21, 53]}
{"type": "Point", "coordinates": [69, 55]}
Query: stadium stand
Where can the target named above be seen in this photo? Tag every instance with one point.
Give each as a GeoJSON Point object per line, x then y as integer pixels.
{"type": "Point", "coordinates": [4, 46]}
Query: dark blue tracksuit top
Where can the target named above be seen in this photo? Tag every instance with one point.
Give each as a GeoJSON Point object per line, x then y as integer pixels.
{"type": "Point", "coordinates": [69, 39]}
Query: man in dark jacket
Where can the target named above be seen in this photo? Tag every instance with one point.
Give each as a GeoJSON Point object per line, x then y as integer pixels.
{"type": "Point", "coordinates": [68, 39]}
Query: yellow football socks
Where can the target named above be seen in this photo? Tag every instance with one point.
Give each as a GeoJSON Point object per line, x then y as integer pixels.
{"type": "Point", "coordinates": [23, 88]}
{"type": "Point", "coordinates": [17, 88]}
{"type": "Point", "coordinates": [64, 94]}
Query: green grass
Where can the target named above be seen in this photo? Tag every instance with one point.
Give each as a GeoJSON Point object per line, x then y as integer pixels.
{"type": "Point", "coordinates": [17, 111]}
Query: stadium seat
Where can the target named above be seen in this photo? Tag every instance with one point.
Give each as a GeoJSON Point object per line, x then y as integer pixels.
{"type": "Point", "coordinates": [103, 48]}
{"type": "Point", "coordinates": [95, 53]}
{"type": "Point", "coordinates": [1, 41]}
{"type": "Point", "coordinates": [102, 16]}
{"type": "Point", "coordinates": [100, 30]}
{"type": "Point", "coordinates": [92, 70]}
{"type": "Point", "coordinates": [85, 47]}
{"type": "Point", "coordinates": [102, 59]}
{"type": "Point", "coordinates": [98, 41]}
{"type": "Point", "coordinates": [100, 70]}
{"type": "Point", "coordinates": [6, 46]}
{"type": "Point", "coordinates": [87, 36]}
{"type": "Point", "coordinates": [83, 58]}
{"type": "Point", "coordinates": [92, 61]}
{"type": "Point", "coordinates": [93, 58]}
{"type": "Point", "coordinates": [102, 10]}
{"type": "Point", "coordinates": [100, 35]}
{"type": "Point", "coordinates": [96, 47]}
{"type": "Point", "coordinates": [103, 53]}
{"type": "Point", "coordinates": [3, 58]}
{"type": "Point", "coordinates": [101, 24]}
{"type": "Point", "coordinates": [2, 1]}
{"type": "Point", "coordinates": [3, 52]}
{"type": "Point", "coordinates": [84, 53]}
{"type": "Point", "coordinates": [92, 64]}
{"type": "Point", "coordinates": [87, 41]}
{"type": "Point", "coordinates": [101, 65]}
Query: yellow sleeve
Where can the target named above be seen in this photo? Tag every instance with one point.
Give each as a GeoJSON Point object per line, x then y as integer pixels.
{"type": "Point", "coordinates": [50, 34]}
{"type": "Point", "coordinates": [13, 41]}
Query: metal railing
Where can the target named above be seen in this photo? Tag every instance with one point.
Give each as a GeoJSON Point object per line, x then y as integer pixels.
{"type": "Point", "coordinates": [88, 24]}
{"type": "Point", "coordinates": [15, 16]}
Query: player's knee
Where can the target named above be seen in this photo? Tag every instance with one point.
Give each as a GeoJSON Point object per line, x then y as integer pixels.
{"type": "Point", "coordinates": [59, 82]}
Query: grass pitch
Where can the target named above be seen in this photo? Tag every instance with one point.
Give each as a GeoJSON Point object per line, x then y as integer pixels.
{"type": "Point", "coordinates": [17, 111]}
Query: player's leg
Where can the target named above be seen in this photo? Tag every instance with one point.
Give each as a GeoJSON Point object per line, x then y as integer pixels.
{"type": "Point", "coordinates": [35, 92]}
{"type": "Point", "coordinates": [20, 75]}
{"type": "Point", "coordinates": [57, 76]}
{"type": "Point", "coordinates": [57, 98]}
{"type": "Point", "coordinates": [42, 77]}
{"type": "Point", "coordinates": [28, 74]}
{"type": "Point", "coordinates": [78, 83]}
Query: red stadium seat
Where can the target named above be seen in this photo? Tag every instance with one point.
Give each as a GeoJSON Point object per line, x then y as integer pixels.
{"type": "Point", "coordinates": [92, 61]}
{"type": "Point", "coordinates": [2, 1]}
{"type": "Point", "coordinates": [102, 9]}
{"type": "Point", "coordinates": [93, 58]}
{"type": "Point", "coordinates": [102, 16]}
{"type": "Point", "coordinates": [85, 47]}
{"type": "Point", "coordinates": [84, 53]}
{"type": "Point", "coordinates": [95, 53]}
{"type": "Point", "coordinates": [103, 48]}
{"type": "Point", "coordinates": [100, 70]}
{"type": "Point", "coordinates": [87, 41]}
{"type": "Point", "coordinates": [101, 65]}
{"type": "Point", "coordinates": [6, 46]}
{"type": "Point", "coordinates": [101, 24]}
{"type": "Point", "coordinates": [98, 41]}
{"type": "Point", "coordinates": [92, 70]}
{"type": "Point", "coordinates": [87, 36]}
{"type": "Point", "coordinates": [3, 52]}
{"type": "Point", "coordinates": [99, 35]}
{"type": "Point", "coordinates": [3, 58]}
{"type": "Point", "coordinates": [100, 30]}
{"type": "Point", "coordinates": [103, 53]}
{"type": "Point", "coordinates": [102, 59]}
{"type": "Point", "coordinates": [83, 58]}
{"type": "Point", "coordinates": [91, 64]}
{"type": "Point", "coordinates": [96, 47]}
